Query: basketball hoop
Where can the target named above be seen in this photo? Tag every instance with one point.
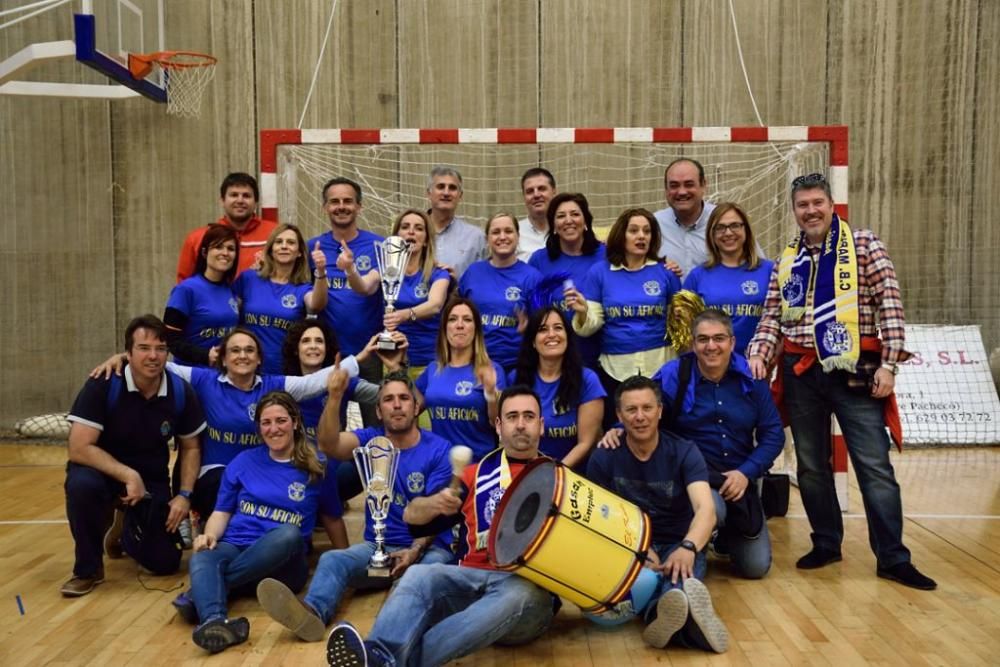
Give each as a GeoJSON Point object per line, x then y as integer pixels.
{"type": "Point", "coordinates": [185, 76]}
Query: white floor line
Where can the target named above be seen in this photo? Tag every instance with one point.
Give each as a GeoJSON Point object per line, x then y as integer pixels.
{"type": "Point", "coordinates": [30, 522]}
{"type": "Point", "coordinates": [975, 517]}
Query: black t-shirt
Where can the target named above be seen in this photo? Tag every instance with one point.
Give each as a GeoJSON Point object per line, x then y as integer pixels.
{"type": "Point", "coordinates": [658, 486]}
{"type": "Point", "coordinates": [136, 431]}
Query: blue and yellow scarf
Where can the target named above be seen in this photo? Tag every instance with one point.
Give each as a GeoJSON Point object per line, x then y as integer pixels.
{"type": "Point", "coordinates": [493, 472]}
{"type": "Point", "coordinates": [830, 287]}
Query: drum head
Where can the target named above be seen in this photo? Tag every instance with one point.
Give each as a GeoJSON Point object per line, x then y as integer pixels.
{"type": "Point", "coordinates": [522, 513]}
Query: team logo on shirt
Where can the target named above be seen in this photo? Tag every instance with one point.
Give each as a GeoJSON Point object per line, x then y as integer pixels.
{"type": "Point", "coordinates": [421, 291]}
{"type": "Point", "coordinates": [415, 482]}
{"type": "Point", "coordinates": [297, 491]}
{"type": "Point", "coordinates": [492, 503]}
{"type": "Point", "coordinates": [837, 339]}
{"type": "Point", "coordinates": [463, 388]}
{"type": "Point", "coordinates": [791, 291]}
{"type": "Point", "coordinates": [234, 304]}
{"type": "Point", "coordinates": [750, 287]}
{"type": "Point", "coordinates": [252, 411]}
{"type": "Point", "coordinates": [651, 288]}
{"type": "Point", "coordinates": [513, 293]}
{"type": "Point", "coordinates": [289, 301]}
{"type": "Point", "coordinates": [364, 263]}
{"type": "Point", "coordinates": [165, 428]}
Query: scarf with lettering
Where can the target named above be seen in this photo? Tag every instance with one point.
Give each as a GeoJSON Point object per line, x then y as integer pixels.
{"type": "Point", "coordinates": [492, 479]}
{"type": "Point", "coordinates": [830, 286]}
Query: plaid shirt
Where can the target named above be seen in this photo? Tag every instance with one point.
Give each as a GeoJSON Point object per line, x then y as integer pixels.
{"type": "Point", "coordinates": [878, 292]}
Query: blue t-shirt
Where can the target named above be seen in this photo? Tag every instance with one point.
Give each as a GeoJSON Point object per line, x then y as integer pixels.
{"type": "Point", "coordinates": [457, 406]}
{"type": "Point", "coordinates": [658, 486]}
{"type": "Point", "coordinates": [229, 412]}
{"type": "Point", "coordinates": [312, 409]}
{"type": "Point", "coordinates": [422, 334]}
{"type": "Point", "coordinates": [354, 317]}
{"type": "Point", "coordinates": [267, 309]}
{"type": "Point", "coordinates": [736, 291]}
{"type": "Point", "coordinates": [423, 470]}
{"type": "Point", "coordinates": [500, 293]}
{"type": "Point", "coordinates": [561, 434]}
{"type": "Point", "coordinates": [211, 309]}
{"type": "Point", "coordinates": [635, 305]}
{"type": "Point", "coordinates": [577, 267]}
{"type": "Point", "coordinates": [263, 494]}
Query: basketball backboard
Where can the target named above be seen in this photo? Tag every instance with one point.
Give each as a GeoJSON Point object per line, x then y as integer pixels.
{"type": "Point", "coordinates": [97, 33]}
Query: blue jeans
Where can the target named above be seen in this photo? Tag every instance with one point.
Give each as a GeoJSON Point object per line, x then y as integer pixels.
{"type": "Point", "coordinates": [341, 568]}
{"type": "Point", "coordinates": [810, 399]}
{"type": "Point", "coordinates": [279, 553]}
{"type": "Point", "coordinates": [750, 556]}
{"type": "Point", "coordinates": [441, 612]}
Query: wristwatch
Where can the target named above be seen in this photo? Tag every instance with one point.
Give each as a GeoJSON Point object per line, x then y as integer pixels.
{"type": "Point", "coordinates": [184, 493]}
{"type": "Point", "coordinates": [689, 545]}
{"type": "Point", "coordinates": [413, 315]}
{"type": "Point", "coordinates": [892, 368]}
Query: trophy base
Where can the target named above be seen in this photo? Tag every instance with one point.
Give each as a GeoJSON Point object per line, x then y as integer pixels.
{"type": "Point", "coordinates": [378, 573]}
{"type": "Point", "coordinates": [386, 342]}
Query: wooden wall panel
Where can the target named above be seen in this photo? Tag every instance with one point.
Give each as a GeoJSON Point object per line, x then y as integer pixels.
{"type": "Point", "coordinates": [784, 50]}
{"type": "Point", "coordinates": [56, 253]}
{"type": "Point", "coordinates": [356, 85]}
{"type": "Point", "coordinates": [911, 157]}
{"type": "Point", "coordinates": [167, 170]}
{"type": "Point", "coordinates": [101, 194]}
{"type": "Point", "coordinates": [984, 269]}
{"type": "Point", "coordinates": [468, 64]}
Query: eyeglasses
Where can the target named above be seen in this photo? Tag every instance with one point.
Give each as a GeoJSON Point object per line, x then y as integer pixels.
{"type": "Point", "coordinates": [718, 339]}
{"type": "Point", "coordinates": [721, 229]}
{"type": "Point", "coordinates": [237, 351]}
{"type": "Point", "coordinates": [809, 181]}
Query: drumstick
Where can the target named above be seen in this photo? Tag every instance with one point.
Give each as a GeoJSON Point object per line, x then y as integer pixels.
{"type": "Point", "coordinates": [460, 456]}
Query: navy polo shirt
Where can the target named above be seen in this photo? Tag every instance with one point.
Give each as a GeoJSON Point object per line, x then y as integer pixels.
{"type": "Point", "coordinates": [136, 431]}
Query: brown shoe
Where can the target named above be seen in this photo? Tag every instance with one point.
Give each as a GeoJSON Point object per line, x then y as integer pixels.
{"type": "Point", "coordinates": [79, 586]}
{"type": "Point", "coordinates": [113, 538]}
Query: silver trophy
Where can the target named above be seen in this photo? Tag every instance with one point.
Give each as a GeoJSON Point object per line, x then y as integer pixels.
{"type": "Point", "coordinates": [377, 461]}
{"type": "Point", "coordinates": [392, 256]}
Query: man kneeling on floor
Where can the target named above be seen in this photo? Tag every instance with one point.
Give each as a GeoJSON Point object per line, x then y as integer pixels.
{"type": "Point", "coordinates": [118, 457]}
{"type": "Point", "coordinates": [667, 478]}
{"type": "Point", "coordinates": [441, 612]}
{"type": "Point", "coordinates": [423, 467]}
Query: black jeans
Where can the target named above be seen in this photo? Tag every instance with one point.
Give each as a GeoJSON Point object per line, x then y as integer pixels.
{"type": "Point", "coordinates": [90, 498]}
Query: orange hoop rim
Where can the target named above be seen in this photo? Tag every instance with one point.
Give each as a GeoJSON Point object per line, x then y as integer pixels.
{"type": "Point", "coordinates": [141, 64]}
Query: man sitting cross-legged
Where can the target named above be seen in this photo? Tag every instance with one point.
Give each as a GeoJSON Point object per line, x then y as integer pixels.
{"type": "Point", "coordinates": [441, 612]}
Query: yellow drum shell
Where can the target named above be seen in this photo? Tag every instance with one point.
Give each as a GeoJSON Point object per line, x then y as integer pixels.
{"type": "Point", "coordinates": [569, 536]}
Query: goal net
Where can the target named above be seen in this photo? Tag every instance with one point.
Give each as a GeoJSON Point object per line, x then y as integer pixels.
{"type": "Point", "coordinates": [610, 167]}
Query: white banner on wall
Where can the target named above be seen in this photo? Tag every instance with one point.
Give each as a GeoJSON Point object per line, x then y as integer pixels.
{"type": "Point", "coordinates": [945, 392]}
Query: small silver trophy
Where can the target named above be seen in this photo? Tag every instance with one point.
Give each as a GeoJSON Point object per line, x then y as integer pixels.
{"type": "Point", "coordinates": [377, 461]}
{"type": "Point", "coordinates": [392, 256]}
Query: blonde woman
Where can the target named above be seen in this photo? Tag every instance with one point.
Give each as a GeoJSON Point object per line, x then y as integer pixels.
{"type": "Point", "coordinates": [280, 292]}
{"type": "Point", "coordinates": [422, 294]}
{"type": "Point", "coordinates": [459, 388]}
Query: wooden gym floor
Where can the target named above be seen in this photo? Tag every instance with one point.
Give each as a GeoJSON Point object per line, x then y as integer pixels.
{"type": "Point", "coordinates": [840, 615]}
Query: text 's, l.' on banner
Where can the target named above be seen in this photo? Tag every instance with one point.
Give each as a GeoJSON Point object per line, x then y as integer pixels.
{"type": "Point", "coordinates": [945, 392]}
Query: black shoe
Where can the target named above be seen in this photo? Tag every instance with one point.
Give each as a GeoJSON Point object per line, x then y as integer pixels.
{"type": "Point", "coordinates": [346, 647]}
{"type": "Point", "coordinates": [818, 558]}
{"type": "Point", "coordinates": [906, 574]}
{"type": "Point", "coordinates": [219, 634]}
{"type": "Point", "coordinates": [186, 609]}
{"type": "Point", "coordinates": [703, 614]}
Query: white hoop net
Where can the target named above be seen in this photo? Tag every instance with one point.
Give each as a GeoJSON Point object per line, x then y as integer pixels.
{"type": "Point", "coordinates": [185, 78]}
